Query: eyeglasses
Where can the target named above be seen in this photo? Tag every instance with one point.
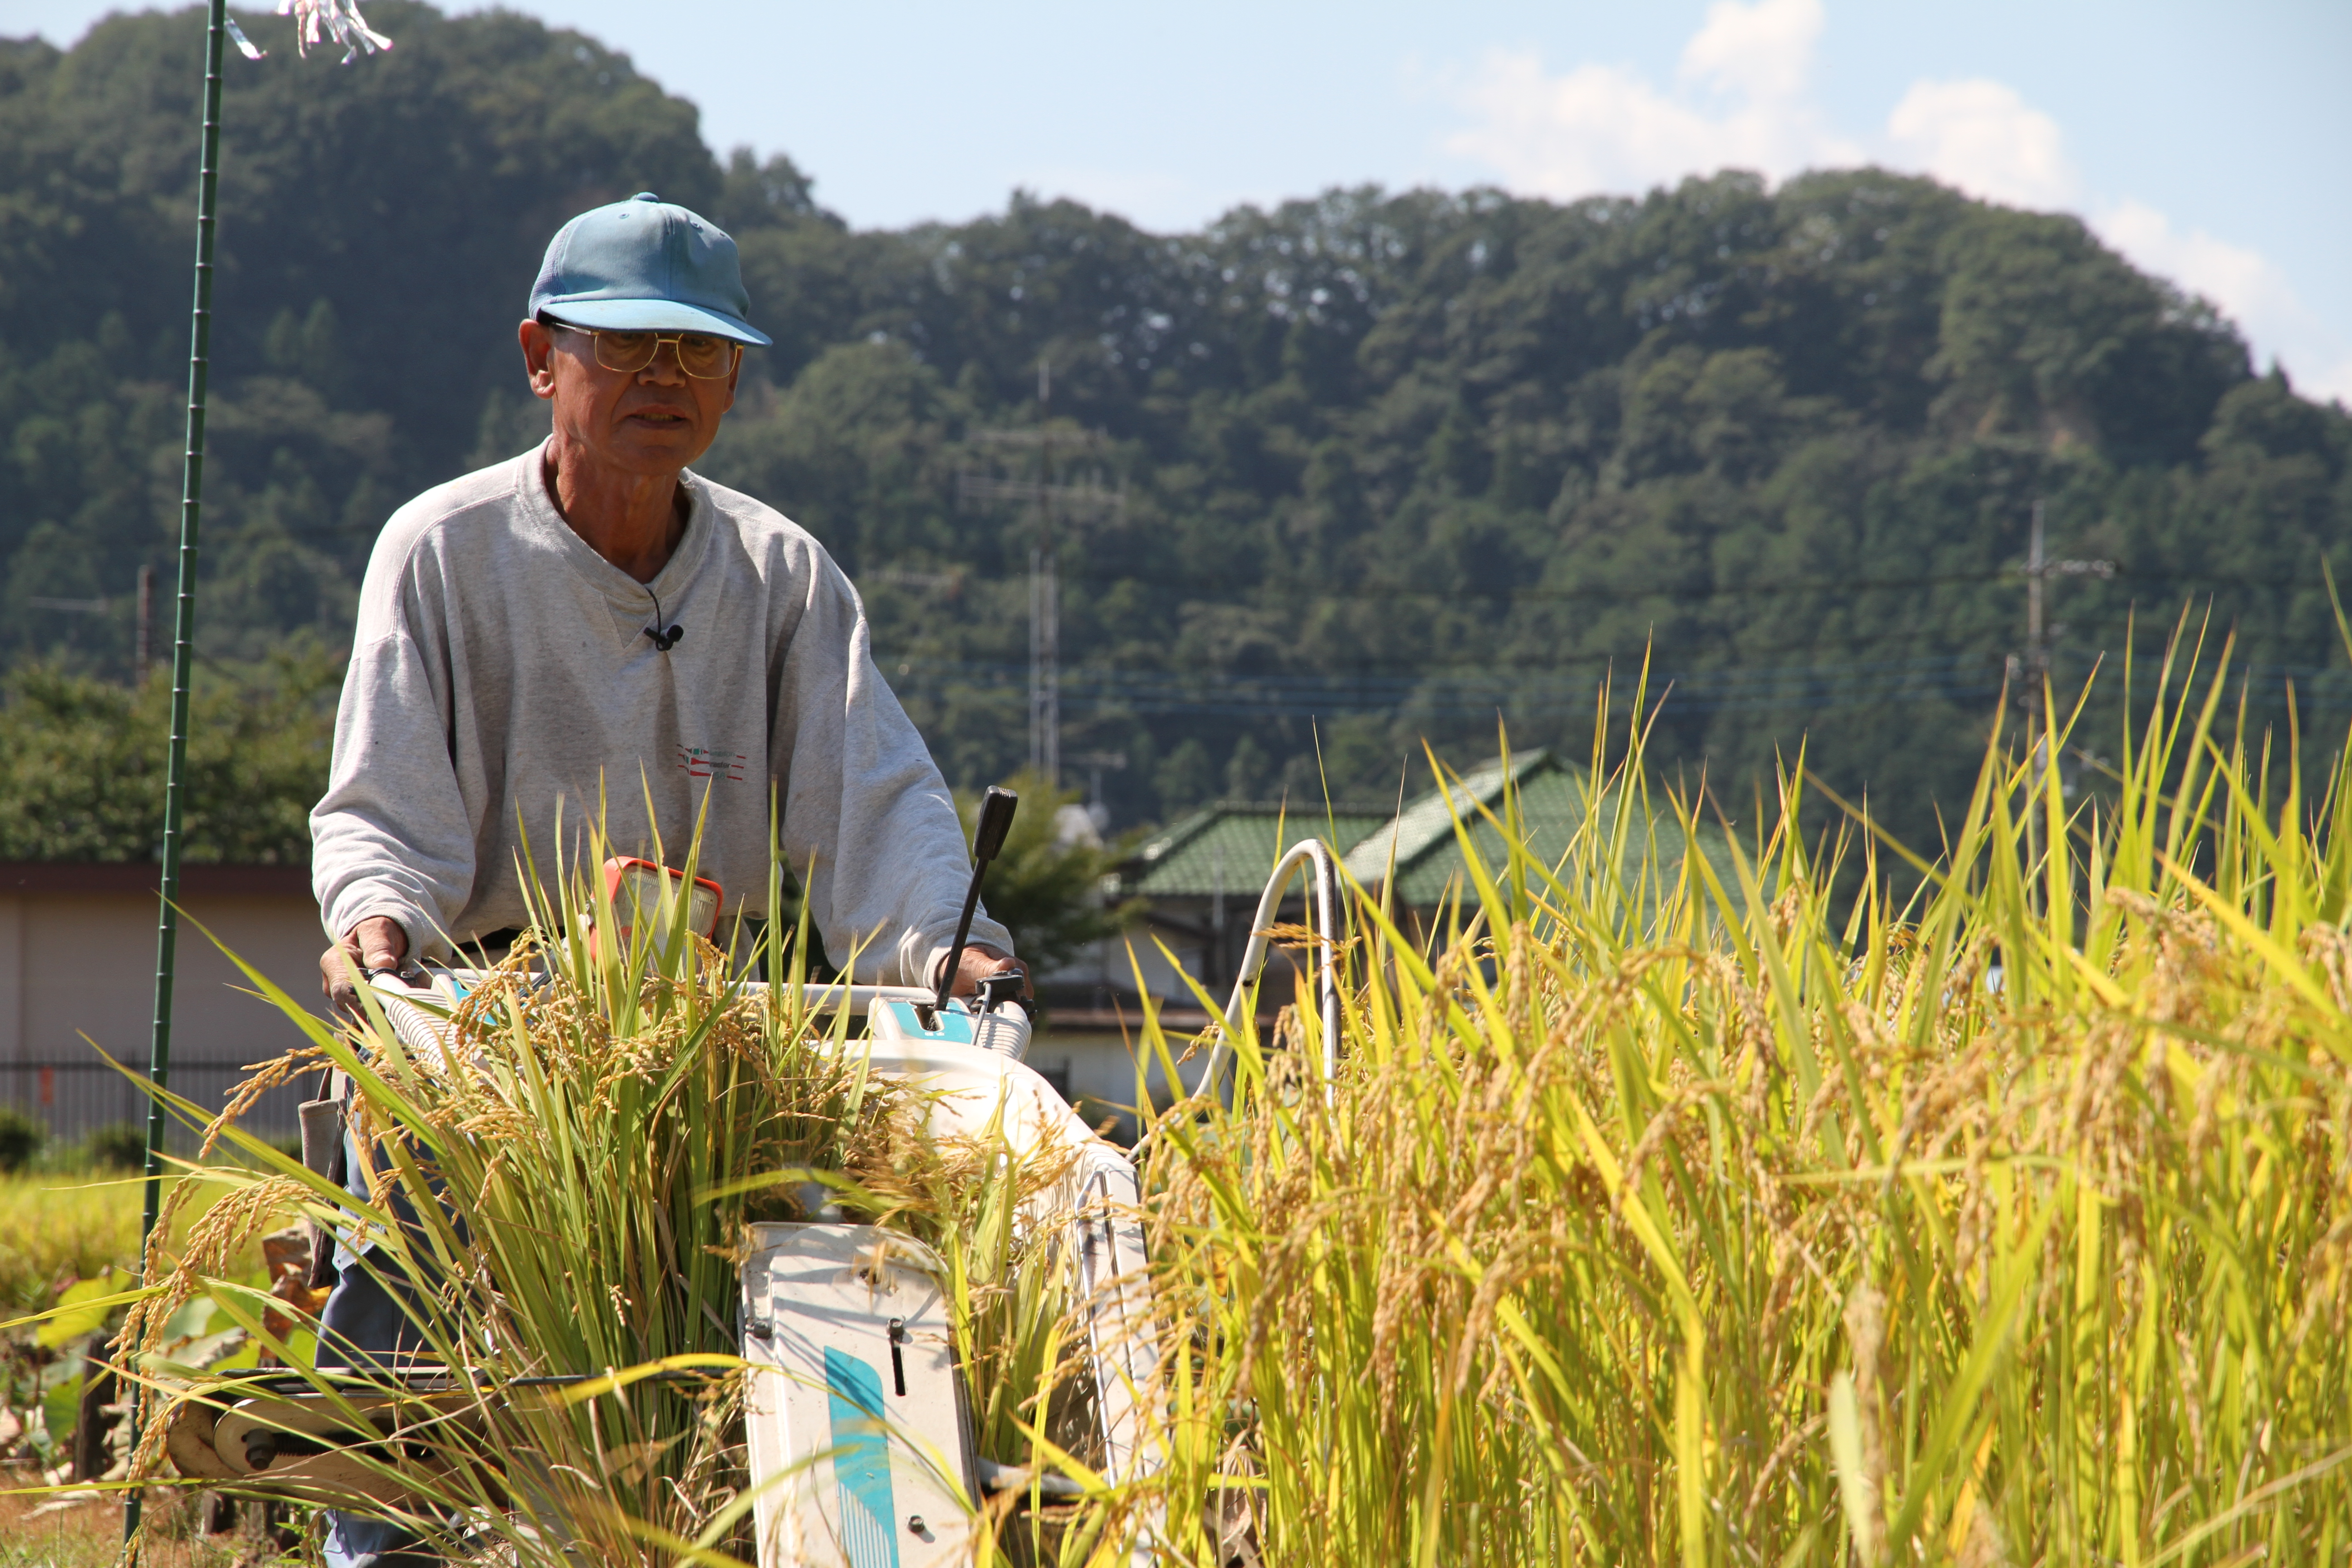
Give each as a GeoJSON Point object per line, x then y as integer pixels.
{"type": "Point", "coordinates": [702, 355]}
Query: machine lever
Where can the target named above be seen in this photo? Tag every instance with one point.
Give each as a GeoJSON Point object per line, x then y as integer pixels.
{"type": "Point", "coordinates": [996, 810]}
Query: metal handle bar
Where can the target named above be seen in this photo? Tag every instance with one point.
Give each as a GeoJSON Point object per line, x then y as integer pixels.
{"type": "Point", "coordinates": [1325, 913]}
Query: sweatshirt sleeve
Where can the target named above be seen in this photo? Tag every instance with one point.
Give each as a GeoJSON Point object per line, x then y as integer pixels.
{"type": "Point", "coordinates": [392, 835]}
{"type": "Point", "coordinates": [868, 824]}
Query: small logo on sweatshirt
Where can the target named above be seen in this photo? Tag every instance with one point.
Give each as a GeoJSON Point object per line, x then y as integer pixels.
{"type": "Point", "coordinates": [702, 762]}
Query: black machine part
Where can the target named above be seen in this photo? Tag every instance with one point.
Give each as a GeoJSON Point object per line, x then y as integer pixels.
{"type": "Point", "coordinates": [998, 1479]}
{"type": "Point", "coordinates": [324, 1154]}
{"type": "Point", "coordinates": [996, 808]}
{"type": "Point", "coordinates": [1005, 986]}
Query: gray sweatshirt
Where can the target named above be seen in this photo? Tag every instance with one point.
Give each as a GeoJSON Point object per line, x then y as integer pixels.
{"type": "Point", "coordinates": [501, 678]}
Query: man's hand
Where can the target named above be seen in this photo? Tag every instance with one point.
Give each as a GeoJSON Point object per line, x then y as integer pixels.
{"type": "Point", "coordinates": [376, 943]}
{"type": "Point", "coordinates": [981, 961]}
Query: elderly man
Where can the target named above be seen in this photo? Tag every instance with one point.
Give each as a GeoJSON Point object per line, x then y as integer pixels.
{"type": "Point", "coordinates": [593, 621]}
{"type": "Point", "coordinates": [593, 615]}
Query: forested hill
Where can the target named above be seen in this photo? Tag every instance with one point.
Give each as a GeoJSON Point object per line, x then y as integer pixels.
{"type": "Point", "coordinates": [1390, 463]}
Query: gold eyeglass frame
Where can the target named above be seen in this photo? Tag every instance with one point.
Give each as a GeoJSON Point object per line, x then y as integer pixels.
{"type": "Point", "coordinates": [676, 339]}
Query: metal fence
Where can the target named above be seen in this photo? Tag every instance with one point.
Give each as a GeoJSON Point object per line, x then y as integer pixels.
{"type": "Point", "coordinates": [75, 1096]}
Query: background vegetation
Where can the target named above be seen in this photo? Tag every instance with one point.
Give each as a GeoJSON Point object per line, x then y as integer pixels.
{"type": "Point", "coordinates": [1393, 461]}
{"type": "Point", "coordinates": [82, 760]}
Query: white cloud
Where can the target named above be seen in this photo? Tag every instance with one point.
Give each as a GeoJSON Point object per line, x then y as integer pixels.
{"type": "Point", "coordinates": [1740, 104]}
{"type": "Point", "coordinates": [1741, 99]}
{"type": "Point", "coordinates": [2250, 290]}
{"type": "Point", "coordinates": [1763, 50]}
{"type": "Point", "coordinates": [1984, 139]}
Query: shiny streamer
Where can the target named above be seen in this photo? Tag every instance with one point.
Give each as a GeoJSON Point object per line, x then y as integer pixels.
{"type": "Point", "coordinates": [320, 21]}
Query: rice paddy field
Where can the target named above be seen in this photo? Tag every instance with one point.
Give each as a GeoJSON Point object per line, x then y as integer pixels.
{"type": "Point", "coordinates": [1705, 1209]}
{"type": "Point", "coordinates": [1668, 1215]}
{"type": "Point", "coordinates": [58, 1228]}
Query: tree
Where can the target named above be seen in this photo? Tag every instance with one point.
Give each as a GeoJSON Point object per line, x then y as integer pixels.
{"type": "Point", "coordinates": [1394, 463]}
{"type": "Point", "coordinates": [81, 763]}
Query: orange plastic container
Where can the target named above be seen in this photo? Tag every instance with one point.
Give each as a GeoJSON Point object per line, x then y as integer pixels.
{"type": "Point", "coordinates": [637, 888]}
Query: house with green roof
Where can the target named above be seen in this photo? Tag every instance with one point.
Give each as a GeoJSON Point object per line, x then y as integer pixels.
{"type": "Point", "coordinates": [1200, 877]}
{"type": "Point", "coordinates": [1198, 880]}
{"type": "Point", "coordinates": [1417, 858]}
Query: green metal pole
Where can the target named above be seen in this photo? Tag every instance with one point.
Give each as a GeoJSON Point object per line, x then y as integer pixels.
{"type": "Point", "coordinates": [191, 490]}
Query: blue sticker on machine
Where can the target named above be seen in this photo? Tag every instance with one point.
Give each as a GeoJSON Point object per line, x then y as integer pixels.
{"type": "Point", "coordinates": [861, 1462]}
{"type": "Point", "coordinates": [954, 1024]}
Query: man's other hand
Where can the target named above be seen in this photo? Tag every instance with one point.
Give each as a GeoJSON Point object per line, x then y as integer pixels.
{"type": "Point", "coordinates": [979, 962]}
{"type": "Point", "coordinates": [376, 943]}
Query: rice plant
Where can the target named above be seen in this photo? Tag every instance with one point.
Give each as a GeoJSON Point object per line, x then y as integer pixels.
{"type": "Point", "coordinates": [561, 1195]}
{"type": "Point", "coordinates": [1678, 1215]}
{"type": "Point", "coordinates": [1668, 1208]}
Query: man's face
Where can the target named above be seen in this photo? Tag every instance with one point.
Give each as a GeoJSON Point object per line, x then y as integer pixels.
{"type": "Point", "coordinates": [652, 421]}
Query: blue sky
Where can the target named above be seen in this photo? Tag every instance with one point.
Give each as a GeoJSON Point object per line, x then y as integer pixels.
{"type": "Point", "coordinates": [2195, 137]}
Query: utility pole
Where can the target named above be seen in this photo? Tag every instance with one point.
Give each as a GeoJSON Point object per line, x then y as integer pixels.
{"type": "Point", "coordinates": [2029, 676]}
{"type": "Point", "coordinates": [1094, 762]}
{"type": "Point", "coordinates": [1045, 667]}
{"type": "Point", "coordinates": [1216, 963]}
{"type": "Point", "coordinates": [1044, 605]}
{"type": "Point", "coordinates": [2032, 671]}
{"type": "Point", "coordinates": [1049, 500]}
{"type": "Point", "coordinates": [146, 621]}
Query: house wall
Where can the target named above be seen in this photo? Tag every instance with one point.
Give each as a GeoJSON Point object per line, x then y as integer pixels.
{"type": "Point", "coordinates": [77, 976]}
{"type": "Point", "coordinates": [1167, 951]}
{"type": "Point", "coordinates": [1090, 1049]}
{"type": "Point", "coordinates": [1096, 1071]}
{"type": "Point", "coordinates": [1112, 964]}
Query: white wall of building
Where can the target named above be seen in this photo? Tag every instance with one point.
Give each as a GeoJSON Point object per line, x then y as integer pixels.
{"type": "Point", "coordinates": [78, 978]}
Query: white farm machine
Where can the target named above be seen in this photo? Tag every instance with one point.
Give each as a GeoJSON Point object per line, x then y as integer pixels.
{"type": "Point", "coordinates": [860, 1439]}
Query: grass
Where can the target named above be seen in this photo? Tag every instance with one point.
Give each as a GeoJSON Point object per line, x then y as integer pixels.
{"type": "Point", "coordinates": [1663, 1211]}
{"type": "Point", "coordinates": [90, 1535]}
{"type": "Point", "coordinates": [60, 1228]}
{"type": "Point", "coordinates": [60, 1225]}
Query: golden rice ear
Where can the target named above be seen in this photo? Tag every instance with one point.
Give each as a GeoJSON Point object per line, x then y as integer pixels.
{"type": "Point", "coordinates": [583, 1141]}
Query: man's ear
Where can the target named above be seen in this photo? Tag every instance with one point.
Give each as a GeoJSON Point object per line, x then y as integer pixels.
{"type": "Point", "coordinates": [537, 357]}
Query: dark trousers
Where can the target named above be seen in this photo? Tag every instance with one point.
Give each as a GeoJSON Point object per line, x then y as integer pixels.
{"type": "Point", "coordinates": [366, 1327]}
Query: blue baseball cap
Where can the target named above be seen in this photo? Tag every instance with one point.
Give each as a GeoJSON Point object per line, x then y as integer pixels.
{"type": "Point", "coordinates": [644, 265]}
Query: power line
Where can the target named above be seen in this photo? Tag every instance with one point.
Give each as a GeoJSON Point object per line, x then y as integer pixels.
{"type": "Point", "coordinates": [1611, 593]}
{"type": "Point", "coordinates": [1948, 678]}
{"type": "Point", "coordinates": [1733, 652]}
{"type": "Point", "coordinates": [1953, 679]}
{"type": "Point", "coordinates": [1048, 499]}
{"type": "Point", "coordinates": [1278, 587]}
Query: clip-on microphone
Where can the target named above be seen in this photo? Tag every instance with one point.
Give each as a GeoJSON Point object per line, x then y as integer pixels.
{"type": "Point", "coordinates": [664, 640]}
{"type": "Point", "coordinates": [997, 810]}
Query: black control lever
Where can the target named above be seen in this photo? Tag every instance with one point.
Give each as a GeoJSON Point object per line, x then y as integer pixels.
{"type": "Point", "coordinates": [987, 841]}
